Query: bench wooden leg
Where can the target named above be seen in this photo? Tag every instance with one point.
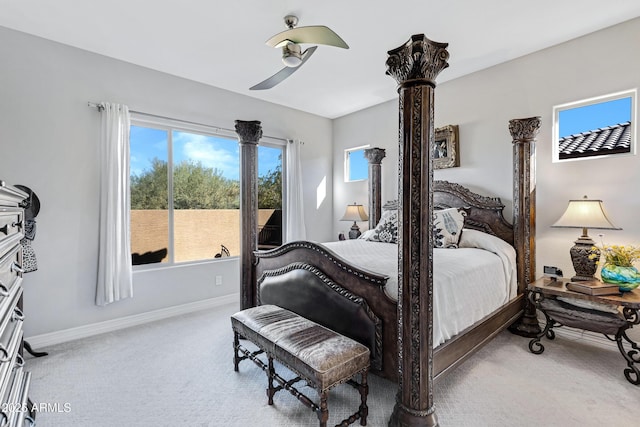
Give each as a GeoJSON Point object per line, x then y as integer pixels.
{"type": "Point", "coordinates": [270, 374]}
{"type": "Point", "coordinates": [236, 357]}
{"type": "Point", "coordinates": [323, 412]}
{"type": "Point", "coordinates": [364, 391]}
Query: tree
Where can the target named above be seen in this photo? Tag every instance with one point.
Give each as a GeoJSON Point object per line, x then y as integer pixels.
{"type": "Point", "coordinates": [270, 189]}
{"type": "Point", "coordinates": [194, 187]}
{"type": "Point", "coordinates": [198, 187]}
{"type": "Point", "coordinates": [149, 189]}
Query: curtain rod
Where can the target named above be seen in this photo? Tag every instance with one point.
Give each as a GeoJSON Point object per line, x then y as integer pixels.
{"type": "Point", "coordinates": [100, 107]}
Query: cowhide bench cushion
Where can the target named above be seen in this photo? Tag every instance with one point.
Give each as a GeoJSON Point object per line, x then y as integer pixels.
{"type": "Point", "coordinates": [316, 354]}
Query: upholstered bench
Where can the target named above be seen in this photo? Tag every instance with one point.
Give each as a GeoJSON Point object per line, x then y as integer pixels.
{"type": "Point", "coordinates": [321, 357]}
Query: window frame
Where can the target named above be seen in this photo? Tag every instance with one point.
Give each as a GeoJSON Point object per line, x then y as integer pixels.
{"type": "Point", "coordinates": [631, 93]}
{"type": "Point", "coordinates": [347, 163]}
{"type": "Point", "coordinates": [170, 125]}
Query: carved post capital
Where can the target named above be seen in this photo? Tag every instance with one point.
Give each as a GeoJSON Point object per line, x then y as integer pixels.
{"type": "Point", "coordinates": [419, 60]}
{"type": "Point", "coordinates": [375, 155]}
{"type": "Point", "coordinates": [249, 132]}
{"type": "Point", "coordinates": [524, 130]}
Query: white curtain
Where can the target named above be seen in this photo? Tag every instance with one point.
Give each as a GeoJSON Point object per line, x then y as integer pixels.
{"type": "Point", "coordinates": [295, 228]}
{"type": "Point", "coordinates": [115, 280]}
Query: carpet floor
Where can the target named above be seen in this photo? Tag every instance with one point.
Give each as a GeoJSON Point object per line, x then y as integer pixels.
{"type": "Point", "coordinates": [179, 372]}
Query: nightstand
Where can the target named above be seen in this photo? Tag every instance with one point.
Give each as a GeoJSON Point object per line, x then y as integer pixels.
{"type": "Point", "coordinates": [610, 315]}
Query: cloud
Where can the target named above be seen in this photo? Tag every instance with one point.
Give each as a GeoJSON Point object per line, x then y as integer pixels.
{"type": "Point", "coordinates": [212, 152]}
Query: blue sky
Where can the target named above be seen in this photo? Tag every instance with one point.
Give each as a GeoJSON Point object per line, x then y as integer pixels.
{"type": "Point", "coordinates": [219, 153]}
{"type": "Point", "coordinates": [358, 166]}
{"type": "Point", "coordinates": [590, 117]}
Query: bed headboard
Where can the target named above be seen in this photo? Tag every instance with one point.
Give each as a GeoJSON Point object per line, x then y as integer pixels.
{"type": "Point", "coordinates": [483, 213]}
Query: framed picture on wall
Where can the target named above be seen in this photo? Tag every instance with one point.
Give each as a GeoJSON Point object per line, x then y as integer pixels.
{"type": "Point", "coordinates": [446, 149]}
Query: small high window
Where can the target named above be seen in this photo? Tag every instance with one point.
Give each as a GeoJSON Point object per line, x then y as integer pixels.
{"type": "Point", "coordinates": [356, 166]}
{"type": "Point", "coordinates": [595, 127]}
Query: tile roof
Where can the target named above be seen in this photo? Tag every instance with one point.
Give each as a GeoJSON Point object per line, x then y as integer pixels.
{"type": "Point", "coordinates": [608, 140]}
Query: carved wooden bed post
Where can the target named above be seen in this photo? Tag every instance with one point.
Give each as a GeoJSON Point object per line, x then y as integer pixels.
{"type": "Point", "coordinates": [415, 65]}
{"type": "Point", "coordinates": [375, 156]}
{"type": "Point", "coordinates": [524, 132]}
{"type": "Point", "coordinates": [249, 133]}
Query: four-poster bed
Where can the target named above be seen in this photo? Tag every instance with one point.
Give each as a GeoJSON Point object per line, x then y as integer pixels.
{"type": "Point", "coordinates": [315, 282]}
{"type": "Point", "coordinates": [368, 313]}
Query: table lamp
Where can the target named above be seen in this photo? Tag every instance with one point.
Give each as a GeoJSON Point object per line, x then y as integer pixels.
{"type": "Point", "coordinates": [355, 212]}
{"type": "Point", "coordinates": [585, 213]}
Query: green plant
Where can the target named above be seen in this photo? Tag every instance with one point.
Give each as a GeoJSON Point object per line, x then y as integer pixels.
{"type": "Point", "coordinates": [620, 255]}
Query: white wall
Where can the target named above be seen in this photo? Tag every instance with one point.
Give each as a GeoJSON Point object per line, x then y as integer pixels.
{"type": "Point", "coordinates": [49, 140]}
{"type": "Point", "coordinates": [483, 103]}
{"type": "Point", "coordinates": [377, 127]}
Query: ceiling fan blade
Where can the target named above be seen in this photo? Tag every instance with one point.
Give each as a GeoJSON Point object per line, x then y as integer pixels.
{"type": "Point", "coordinates": [284, 73]}
{"type": "Point", "coordinates": [317, 34]}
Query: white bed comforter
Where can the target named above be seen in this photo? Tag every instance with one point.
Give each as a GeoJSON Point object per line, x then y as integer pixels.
{"type": "Point", "coordinates": [469, 282]}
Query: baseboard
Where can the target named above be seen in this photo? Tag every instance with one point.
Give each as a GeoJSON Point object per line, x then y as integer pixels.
{"type": "Point", "coordinates": [65, 335]}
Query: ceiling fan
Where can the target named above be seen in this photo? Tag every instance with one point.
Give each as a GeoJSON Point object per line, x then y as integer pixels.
{"type": "Point", "coordinates": [292, 54]}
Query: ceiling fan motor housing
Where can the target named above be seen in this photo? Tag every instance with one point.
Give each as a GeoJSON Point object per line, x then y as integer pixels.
{"type": "Point", "coordinates": [291, 55]}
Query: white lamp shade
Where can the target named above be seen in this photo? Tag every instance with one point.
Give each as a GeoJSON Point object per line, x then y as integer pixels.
{"type": "Point", "coordinates": [585, 213]}
{"type": "Point", "coordinates": [355, 212]}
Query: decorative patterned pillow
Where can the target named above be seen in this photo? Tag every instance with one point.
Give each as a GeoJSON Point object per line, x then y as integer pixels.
{"type": "Point", "coordinates": [447, 227]}
{"type": "Point", "coordinates": [387, 228]}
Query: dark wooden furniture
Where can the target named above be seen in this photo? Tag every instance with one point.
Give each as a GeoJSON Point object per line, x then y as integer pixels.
{"type": "Point", "coordinates": [15, 407]}
{"type": "Point", "coordinates": [404, 330]}
{"type": "Point", "coordinates": [544, 293]}
{"type": "Point", "coordinates": [353, 301]}
{"type": "Point", "coordinates": [316, 354]}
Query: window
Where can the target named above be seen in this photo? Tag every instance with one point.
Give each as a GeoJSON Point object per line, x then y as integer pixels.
{"type": "Point", "coordinates": [356, 165]}
{"type": "Point", "coordinates": [269, 196]}
{"type": "Point", "coordinates": [595, 127]}
{"type": "Point", "coordinates": [185, 193]}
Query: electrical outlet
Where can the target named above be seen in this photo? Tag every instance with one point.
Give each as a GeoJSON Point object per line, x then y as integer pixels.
{"type": "Point", "coordinates": [218, 280]}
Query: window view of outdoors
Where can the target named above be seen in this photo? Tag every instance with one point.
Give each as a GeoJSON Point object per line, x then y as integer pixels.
{"type": "Point", "coordinates": [593, 128]}
{"type": "Point", "coordinates": [269, 197]}
{"type": "Point", "coordinates": [206, 196]}
{"type": "Point", "coordinates": [356, 165]}
{"type": "Point", "coordinates": [149, 195]}
{"type": "Point", "coordinates": [200, 218]}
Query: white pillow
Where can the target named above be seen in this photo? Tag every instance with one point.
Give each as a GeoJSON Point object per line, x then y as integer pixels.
{"type": "Point", "coordinates": [478, 239]}
{"type": "Point", "coordinates": [387, 228]}
{"type": "Point", "coordinates": [447, 227]}
{"type": "Point", "coordinates": [367, 234]}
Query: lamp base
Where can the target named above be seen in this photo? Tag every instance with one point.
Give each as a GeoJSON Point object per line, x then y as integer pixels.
{"type": "Point", "coordinates": [584, 256]}
{"type": "Point", "coordinates": [354, 233]}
